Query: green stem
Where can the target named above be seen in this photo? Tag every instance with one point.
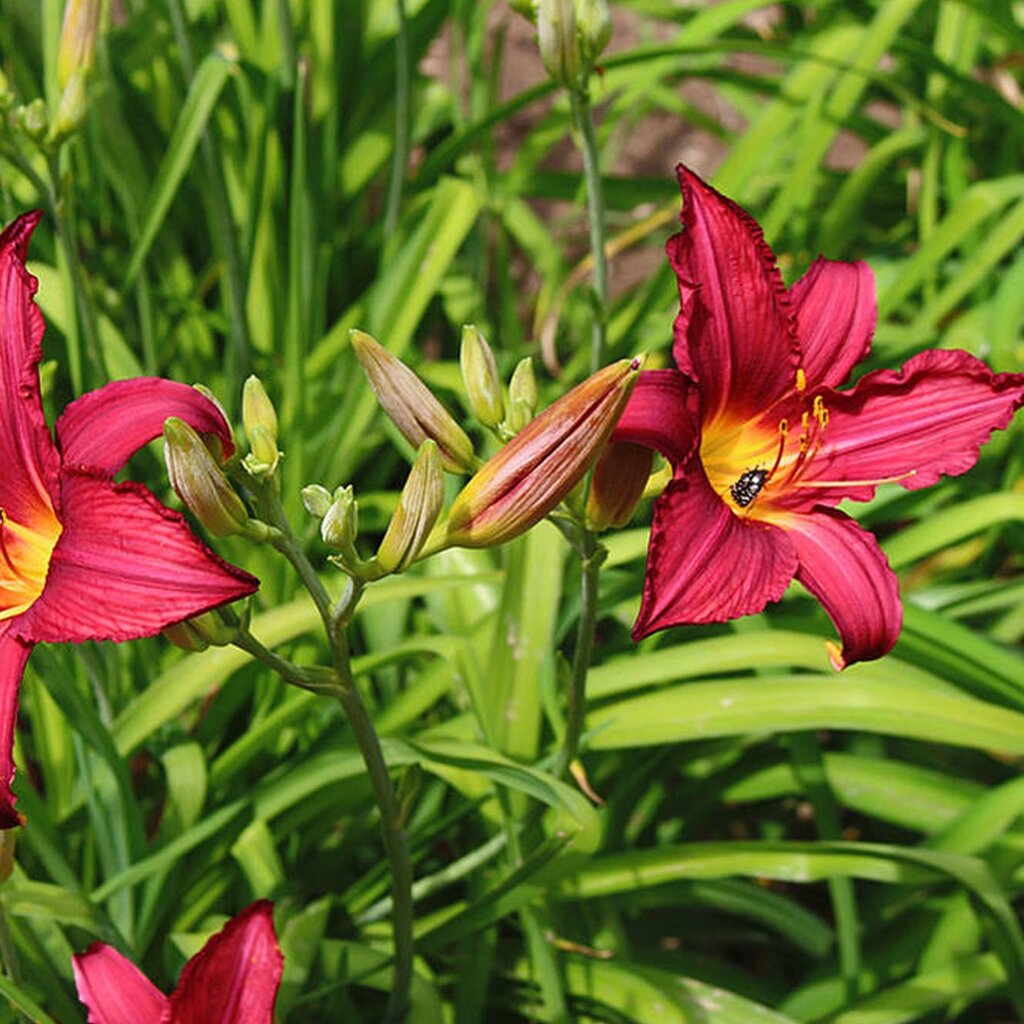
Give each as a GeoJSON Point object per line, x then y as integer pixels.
{"type": "Point", "coordinates": [316, 679]}
{"type": "Point", "coordinates": [592, 555]}
{"type": "Point", "coordinates": [583, 118]}
{"type": "Point", "coordinates": [400, 155]}
{"type": "Point", "coordinates": [336, 619]}
{"type": "Point", "coordinates": [9, 956]}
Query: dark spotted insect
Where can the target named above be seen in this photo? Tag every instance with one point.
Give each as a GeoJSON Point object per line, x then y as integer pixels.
{"type": "Point", "coordinates": [748, 487]}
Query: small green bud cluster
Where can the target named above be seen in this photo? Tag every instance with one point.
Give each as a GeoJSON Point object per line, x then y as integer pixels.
{"type": "Point", "coordinates": [259, 418]}
{"type": "Point", "coordinates": [484, 391]}
{"type": "Point", "coordinates": [571, 35]}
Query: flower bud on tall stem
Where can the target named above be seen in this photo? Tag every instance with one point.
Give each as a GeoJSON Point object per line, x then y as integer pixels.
{"type": "Point", "coordinates": [540, 465]}
{"type": "Point", "coordinates": [201, 483]}
{"type": "Point", "coordinates": [411, 404]}
{"type": "Point", "coordinates": [417, 511]}
{"type": "Point", "coordinates": [480, 378]}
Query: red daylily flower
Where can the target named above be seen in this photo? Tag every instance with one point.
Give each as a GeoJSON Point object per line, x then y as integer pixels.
{"type": "Point", "coordinates": [763, 446]}
{"type": "Point", "coordinates": [233, 979]}
{"type": "Point", "coordinates": [83, 557]}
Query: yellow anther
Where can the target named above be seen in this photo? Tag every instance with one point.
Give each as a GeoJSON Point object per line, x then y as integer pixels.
{"type": "Point", "coordinates": [784, 427]}
{"type": "Point", "coordinates": [801, 379]}
{"type": "Point", "coordinates": [820, 411]}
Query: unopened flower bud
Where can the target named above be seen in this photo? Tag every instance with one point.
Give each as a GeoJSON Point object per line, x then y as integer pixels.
{"type": "Point", "coordinates": [210, 629]}
{"type": "Point", "coordinates": [340, 524]}
{"type": "Point", "coordinates": [412, 406]}
{"type": "Point", "coordinates": [184, 635]}
{"type": "Point", "coordinates": [540, 465]}
{"type": "Point", "coordinates": [200, 482]}
{"type": "Point", "coordinates": [78, 34]}
{"type": "Point", "coordinates": [316, 500]}
{"type": "Point", "coordinates": [556, 37]}
{"type": "Point", "coordinates": [72, 108]}
{"type": "Point", "coordinates": [480, 377]}
{"type": "Point", "coordinates": [593, 28]}
{"type": "Point", "coordinates": [419, 505]}
{"type": "Point", "coordinates": [32, 119]}
{"type": "Point", "coordinates": [257, 409]}
{"type": "Point", "coordinates": [620, 476]}
{"type": "Point", "coordinates": [522, 396]}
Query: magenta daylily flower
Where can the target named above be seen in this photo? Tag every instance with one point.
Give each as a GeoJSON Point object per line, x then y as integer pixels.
{"type": "Point", "coordinates": [233, 979]}
{"type": "Point", "coordinates": [83, 557]}
{"type": "Point", "coordinates": [763, 445]}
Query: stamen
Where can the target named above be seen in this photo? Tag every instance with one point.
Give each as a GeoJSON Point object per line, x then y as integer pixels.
{"type": "Point", "coordinates": [859, 483]}
{"type": "Point", "coordinates": [3, 545]}
{"type": "Point", "coordinates": [801, 379]}
{"type": "Point", "coordinates": [820, 411]}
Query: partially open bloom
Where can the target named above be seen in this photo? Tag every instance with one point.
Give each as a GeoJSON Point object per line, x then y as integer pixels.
{"type": "Point", "coordinates": [83, 557]}
{"type": "Point", "coordinates": [763, 445]}
{"type": "Point", "coordinates": [233, 979]}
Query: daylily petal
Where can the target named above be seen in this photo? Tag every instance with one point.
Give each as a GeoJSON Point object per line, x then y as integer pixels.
{"type": "Point", "coordinates": [835, 315]}
{"type": "Point", "coordinates": [662, 413]}
{"type": "Point", "coordinates": [704, 563]}
{"type": "Point", "coordinates": [735, 332]}
{"type": "Point", "coordinates": [114, 990]}
{"type": "Point", "coordinates": [29, 460]}
{"type": "Point", "coordinates": [13, 655]}
{"type": "Point", "coordinates": [234, 978]}
{"type": "Point", "coordinates": [916, 424]}
{"type": "Point", "coordinates": [125, 567]}
{"type": "Point", "coordinates": [103, 428]}
{"type": "Point", "coordinates": [844, 568]}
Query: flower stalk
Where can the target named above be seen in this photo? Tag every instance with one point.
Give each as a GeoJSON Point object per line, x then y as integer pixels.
{"type": "Point", "coordinates": [336, 616]}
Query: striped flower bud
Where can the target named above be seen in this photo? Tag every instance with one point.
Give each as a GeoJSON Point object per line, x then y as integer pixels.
{"type": "Point", "coordinates": [541, 465]}
{"type": "Point", "coordinates": [200, 482]}
{"type": "Point", "coordinates": [620, 476]}
{"type": "Point", "coordinates": [411, 405]}
{"type": "Point", "coordinates": [480, 378]}
{"type": "Point", "coordinates": [418, 507]}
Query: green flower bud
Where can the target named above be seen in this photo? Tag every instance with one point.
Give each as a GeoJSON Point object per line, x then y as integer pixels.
{"type": "Point", "coordinates": [260, 421]}
{"type": "Point", "coordinates": [200, 482]}
{"type": "Point", "coordinates": [72, 109]}
{"type": "Point", "coordinates": [210, 629]}
{"type": "Point", "coordinates": [257, 409]}
{"type": "Point", "coordinates": [556, 37]}
{"type": "Point", "coordinates": [316, 500]}
{"type": "Point", "coordinates": [340, 524]}
{"type": "Point", "coordinates": [593, 28]}
{"type": "Point", "coordinates": [411, 404]}
{"type": "Point", "coordinates": [522, 396]}
{"type": "Point", "coordinates": [480, 377]}
{"type": "Point", "coordinates": [418, 508]}
{"type": "Point", "coordinates": [32, 120]}
{"type": "Point", "coordinates": [184, 635]}
{"type": "Point", "coordinates": [533, 473]}
{"type": "Point", "coordinates": [78, 32]}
